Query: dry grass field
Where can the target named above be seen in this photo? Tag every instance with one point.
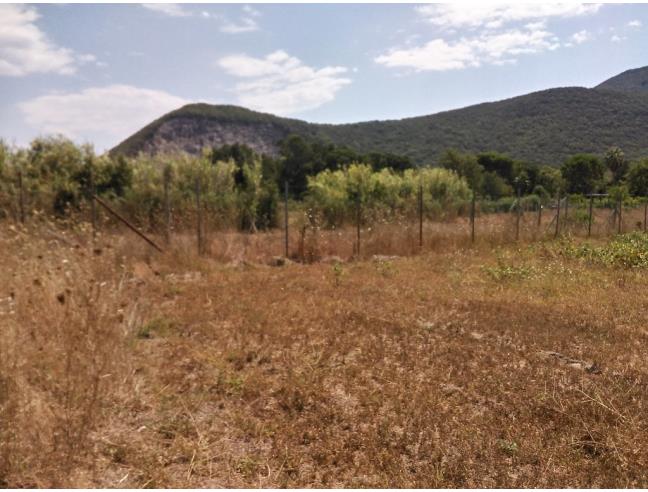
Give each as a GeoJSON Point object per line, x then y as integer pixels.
{"type": "Point", "coordinates": [495, 365]}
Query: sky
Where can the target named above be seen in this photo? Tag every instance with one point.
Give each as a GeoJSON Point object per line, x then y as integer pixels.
{"type": "Point", "coordinates": [96, 73]}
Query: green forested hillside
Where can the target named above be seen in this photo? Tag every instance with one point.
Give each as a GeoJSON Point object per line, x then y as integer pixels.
{"type": "Point", "coordinates": [541, 127]}
{"type": "Point", "coordinates": [635, 80]}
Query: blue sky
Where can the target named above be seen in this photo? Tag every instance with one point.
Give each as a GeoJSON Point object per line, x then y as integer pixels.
{"type": "Point", "coordinates": [97, 73]}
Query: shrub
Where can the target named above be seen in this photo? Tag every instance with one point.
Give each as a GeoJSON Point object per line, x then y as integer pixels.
{"type": "Point", "coordinates": [383, 195]}
{"type": "Point", "coordinates": [626, 250]}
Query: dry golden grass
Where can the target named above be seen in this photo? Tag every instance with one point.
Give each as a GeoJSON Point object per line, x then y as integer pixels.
{"type": "Point", "coordinates": [121, 367]}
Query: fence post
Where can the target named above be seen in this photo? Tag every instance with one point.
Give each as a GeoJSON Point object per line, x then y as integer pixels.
{"type": "Point", "coordinates": [199, 217]}
{"type": "Point", "coordinates": [620, 211]}
{"type": "Point", "coordinates": [21, 197]}
{"type": "Point", "coordinates": [589, 220]}
{"type": "Point", "coordinates": [557, 218]}
{"type": "Point", "coordinates": [539, 215]}
{"type": "Point", "coordinates": [566, 215]}
{"type": "Point", "coordinates": [167, 205]}
{"type": "Point", "coordinates": [472, 218]}
{"type": "Point", "coordinates": [286, 219]}
{"type": "Point", "coordinates": [420, 213]}
{"type": "Point", "coordinates": [645, 215]}
{"type": "Point", "coordinates": [518, 211]}
{"type": "Point", "coordinates": [358, 218]}
{"type": "Point", "coordinates": [93, 205]}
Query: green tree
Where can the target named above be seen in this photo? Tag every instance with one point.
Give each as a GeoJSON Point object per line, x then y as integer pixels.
{"type": "Point", "coordinates": [638, 178]}
{"type": "Point", "coordinates": [616, 162]}
{"type": "Point", "coordinates": [466, 166]}
{"type": "Point", "coordinates": [583, 173]}
{"type": "Point", "coordinates": [550, 180]}
{"type": "Point", "coordinates": [502, 165]}
{"type": "Point", "coordinates": [494, 186]}
{"type": "Point", "coordinates": [297, 158]}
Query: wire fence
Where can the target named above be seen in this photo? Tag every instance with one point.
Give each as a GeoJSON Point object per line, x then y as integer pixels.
{"type": "Point", "coordinates": [301, 233]}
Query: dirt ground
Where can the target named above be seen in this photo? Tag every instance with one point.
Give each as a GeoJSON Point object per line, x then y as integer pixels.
{"type": "Point", "coordinates": [498, 365]}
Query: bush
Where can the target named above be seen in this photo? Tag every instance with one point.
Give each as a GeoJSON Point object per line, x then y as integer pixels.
{"type": "Point", "coordinates": [384, 195]}
{"type": "Point", "coordinates": [626, 250]}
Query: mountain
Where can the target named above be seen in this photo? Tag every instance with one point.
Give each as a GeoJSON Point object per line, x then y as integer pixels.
{"type": "Point", "coordinates": [635, 80]}
{"type": "Point", "coordinates": [542, 127]}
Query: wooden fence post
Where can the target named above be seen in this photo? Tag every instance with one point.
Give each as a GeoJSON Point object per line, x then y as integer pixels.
{"type": "Point", "coordinates": [420, 213]}
{"type": "Point", "coordinates": [199, 217]}
{"type": "Point", "coordinates": [539, 215]}
{"type": "Point", "coordinates": [518, 210]}
{"type": "Point", "coordinates": [589, 220]}
{"type": "Point", "coordinates": [472, 218]}
{"type": "Point", "coordinates": [358, 218]}
{"type": "Point", "coordinates": [566, 214]}
{"type": "Point", "coordinates": [557, 218]}
{"type": "Point", "coordinates": [93, 205]}
{"type": "Point", "coordinates": [286, 219]}
{"type": "Point", "coordinates": [167, 205]}
{"type": "Point", "coordinates": [21, 198]}
{"type": "Point", "coordinates": [645, 215]}
{"type": "Point", "coordinates": [620, 211]}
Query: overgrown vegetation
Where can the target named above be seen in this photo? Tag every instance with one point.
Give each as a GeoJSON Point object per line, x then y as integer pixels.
{"type": "Point", "coordinates": [626, 251]}
{"type": "Point", "coordinates": [329, 185]}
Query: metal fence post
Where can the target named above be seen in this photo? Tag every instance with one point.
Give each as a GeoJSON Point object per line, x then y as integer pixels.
{"type": "Point", "coordinates": [358, 218]}
{"type": "Point", "coordinates": [589, 220]}
{"type": "Point", "coordinates": [620, 211]}
{"type": "Point", "coordinates": [199, 217]}
{"type": "Point", "coordinates": [21, 197]}
{"type": "Point", "coordinates": [93, 206]}
{"type": "Point", "coordinates": [472, 218]}
{"type": "Point", "coordinates": [420, 213]}
{"type": "Point", "coordinates": [167, 205]}
{"type": "Point", "coordinates": [557, 218]}
{"type": "Point", "coordinates": [518, 210]}
{"type": "Point", "coordinates": [286, 219]}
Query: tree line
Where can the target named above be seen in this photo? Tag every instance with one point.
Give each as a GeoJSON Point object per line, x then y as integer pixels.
{"type": "Point", "coordinates": [493, 175]}
{"type": "Point", "coordinates": [243, 189]}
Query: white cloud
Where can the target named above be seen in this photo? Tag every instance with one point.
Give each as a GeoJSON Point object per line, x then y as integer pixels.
{"type": "Point", "coordinates": [86, 58]}
{"type": "Point", "coordinates": [581, 36]}
{"type": "Point", "coordinates": [247, 24]}
{"type": "Point", "coordinates": [486, 49]}
{"type": "Point", "coordinates": [617, 39]}
{"type": "Point", "coordinates": [251, 11]}
{"type": "Point", "coordinates": [170, 9]}
{"type": "Point", "coordinates": [282, 84]}
{"type": "Point", "coordinates": [635, 23]}
{"type": "Point", "coordinates": [25, 49]}
{"type": "Point", "coordinates": [98, 114]}
{"type": "Point", "coordinates": [492, 16]}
